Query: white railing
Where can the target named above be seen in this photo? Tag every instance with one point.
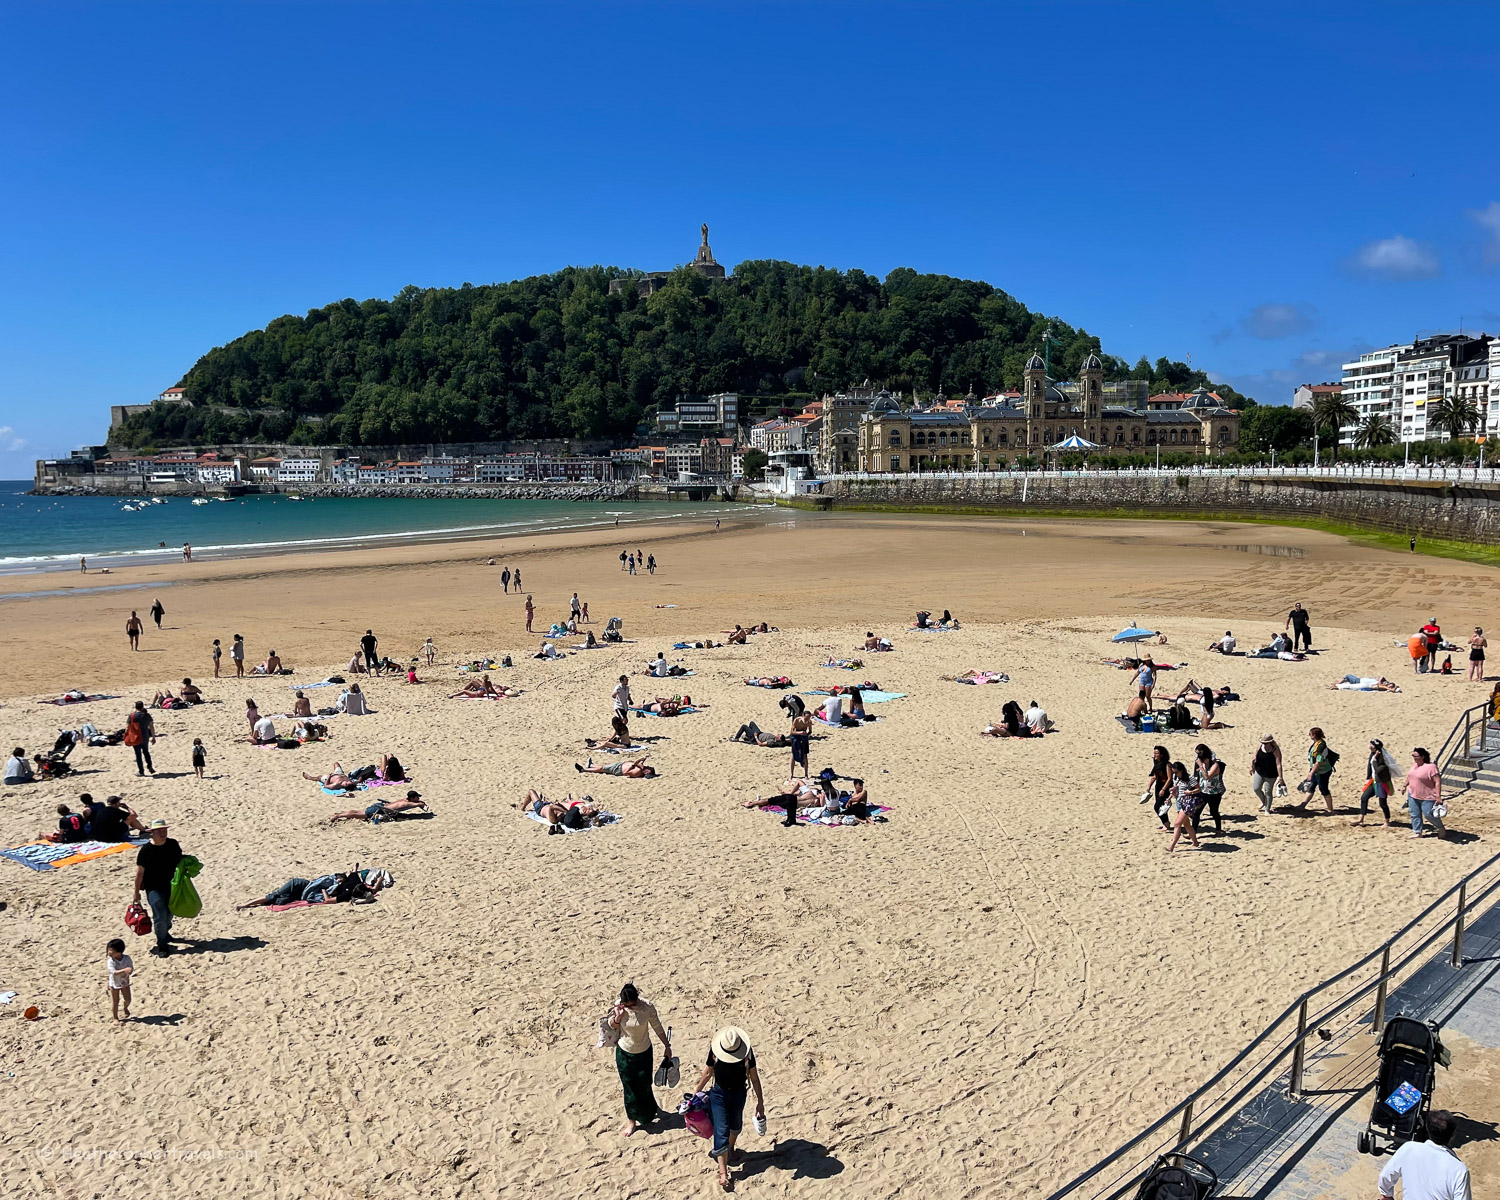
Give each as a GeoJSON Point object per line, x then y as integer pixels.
{"type": "Point", "coordinates": [1437, 474]}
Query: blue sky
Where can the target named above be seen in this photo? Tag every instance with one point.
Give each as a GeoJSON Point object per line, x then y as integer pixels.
{"type": "Point", "coordinates": [1265, 188]}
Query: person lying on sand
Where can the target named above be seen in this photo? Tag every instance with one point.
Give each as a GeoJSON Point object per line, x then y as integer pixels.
{"type": "Point", "coordinates": [476, 687]}
{"type": "Point", "coordinates": [668, 706]}
{"type": "Point", "coordinates": [754, 735]}
{"type": "Point", "coordinates": [796, 793]}
{"type": "Point", "coordinates": [634, 768]}
{"type": "Point", "coordinates": [877, 644]}
{"type": "Point", "coordinates": [572, 814]}
{"type": "Point", "coordinates": [337, 779]}
{"type": "Point", "coordinates": [1363, 683]}
{"type": "Point", "coordinates": [1134, 664]}
{"type": "Point", "coordinates": [382, 809]}
{"type": "Point", "coordinates": [325, 889]}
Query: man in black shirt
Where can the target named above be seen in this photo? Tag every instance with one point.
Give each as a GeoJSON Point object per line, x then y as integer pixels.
{"type": "Point", "coordinates": [1300, 624]}
{"type": "Point", "coordinates": [368, 643]}
{"type": "Point", "coordinates": [155, 865]}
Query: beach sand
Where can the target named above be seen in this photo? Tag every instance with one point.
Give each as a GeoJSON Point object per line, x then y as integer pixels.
{"type": "Point", "coordinates": [974, 999]}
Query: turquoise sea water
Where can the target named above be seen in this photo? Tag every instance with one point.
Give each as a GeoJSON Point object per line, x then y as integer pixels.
{"type": "Point", "coordinates": [39, 533]}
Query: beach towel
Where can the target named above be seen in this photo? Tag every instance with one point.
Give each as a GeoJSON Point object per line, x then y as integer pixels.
{"type": "Point", "coordinates": [679, 675]}
{"type": "Point", "coordinates": [838, 822]}
{"type": "Point", "coordinates": [934, 628]}
{"type": "Point", "coordinates": [309, 686]}
{"type": "Point", "coordinates": [784, 682]}
{"type": "Point", "coordinates": [845, 664]}
{"type": "Point", "coordinates": [478, 696]}
{"type": "Point", "coordinates": [840, 724]}
{"type": "Point", "coordinates": [63, 701]}
{"type": "Point", "coordinates": [608, 818]}
{"type": "Point", "coordinates": [617, 749]}
{"type": "Point", "coordinates": [1129, 726]}
{"type": "Point", "coordinates": [48, 856]}
{"type": "Point", "coordinates": [870, 695]}
{"type": "Point", "coordinates": [285, 907]}
{"type": "Point", "coordinates": [986, 677]}
{"type": "Point", "coordinates": [647, 713]}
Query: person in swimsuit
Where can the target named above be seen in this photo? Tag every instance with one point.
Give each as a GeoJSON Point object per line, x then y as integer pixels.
{"type": "Point", "coordinates": [133, 631]}
{"type": "Point", "coordinates": [1185, 800]}
{"type": "Point", "coordinates": [336, 779]}
{"type": "Point", "coordinates": [574, 814]}
{"type": "Point", "coordinates": [635, 768]}
{"type": "Point", "coordinates": [1477, 643]}
{"type": "Point", "coordinates": [382, 809]}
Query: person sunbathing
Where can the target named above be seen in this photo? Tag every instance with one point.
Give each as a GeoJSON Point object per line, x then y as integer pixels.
{"type": "Point", "coordinates": [191, 693]}
{"type": "Point", "coordinates": [382, 809]}
{"type": "Point", "coordinates": [336, 780]}
{"type": "Point", "coordinates": [166, 700]}
{"type": "Point", "coordinates": [667, 706]}
{"type": "Point", "coordinates": [737, 636]}
{"type": "Point", "coordinates": [309, 731]}
{"type": "Point", "coordinates": [391, 770]}
{"type": "Point", "coordinates": [477, 687]}
{"type": "Point", "coordinates": [1365, 683]}
{"type": "Point", "coordinates": [768, 681]}
{"type": "Point", "coordinates": [272, 665]}
{"type": "Point", "coordinates": [302, 706]}
{"type": "Point", "coordinates": [752, 734]}
{"type": "Point", "coordinates": [325, 889]}
{"type": "Point", "coordinates": [634, 768]}
{"type": "Point", "coordinates": [574, 814]}
{"type": "Point", "coordinates": [797, 794]}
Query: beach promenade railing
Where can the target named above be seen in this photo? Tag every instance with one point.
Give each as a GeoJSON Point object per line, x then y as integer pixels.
{"type": "Point", "coordinates": [1341, 1005]}
{"type": "Point", "coordinates": [1352, 471]}
{"type": "Point", "coordinates": [1474, 736]}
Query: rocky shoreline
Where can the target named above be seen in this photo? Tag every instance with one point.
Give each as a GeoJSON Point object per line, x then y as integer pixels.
{"type": "Point", "coordinates": [319, 491]}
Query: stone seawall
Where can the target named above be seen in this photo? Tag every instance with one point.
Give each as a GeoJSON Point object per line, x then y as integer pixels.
{"type": "Point", "coordinates": [1457, 511]}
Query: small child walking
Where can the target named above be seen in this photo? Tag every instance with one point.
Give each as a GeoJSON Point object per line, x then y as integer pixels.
{"type": "Point", "coordinates": [429, 651]}
{"type": "Point", "coordinates": [200, 757]}
{"type": "Point", "coordinates": [120, 969]}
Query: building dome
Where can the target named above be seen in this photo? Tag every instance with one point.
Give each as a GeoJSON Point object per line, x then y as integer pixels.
{"type": "Point", "coordinates": [1200, 399]}
{"type": "Point", "coordinates": [1092, 363]}
{"type": "Point", "coordinates": [884, 404]}
{"type": "Point", "coordinates": [1035, 363]}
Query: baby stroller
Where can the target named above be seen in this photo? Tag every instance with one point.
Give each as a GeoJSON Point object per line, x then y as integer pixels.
{"type": "Point", "coordinates": [1409, 1053]}
{"type": "Point", "coordinates": [1178, 1177]}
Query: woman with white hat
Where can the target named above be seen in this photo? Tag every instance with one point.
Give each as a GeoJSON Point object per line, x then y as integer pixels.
{"type": "Point", "coordinates": [731, 1065]}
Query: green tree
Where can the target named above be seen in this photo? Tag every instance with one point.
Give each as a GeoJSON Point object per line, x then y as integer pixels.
{"type": "Point", "coordinates": [1330, 414]}
{"type": "Point", "coordinates": [1268, 427]}
{"type": "Point", "coordinates": [1456, 416]}
{"type": "Point", "coordinates": [755, 463]}
{"type": "Point", "coordinates": [1375, 430]}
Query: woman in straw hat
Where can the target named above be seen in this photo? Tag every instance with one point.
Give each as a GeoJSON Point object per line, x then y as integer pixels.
{"type": "Point", "coordinates": [731, 1065]}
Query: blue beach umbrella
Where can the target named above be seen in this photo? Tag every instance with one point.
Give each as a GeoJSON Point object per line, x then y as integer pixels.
{"type": "Point", "coordinates": [1134, 634]}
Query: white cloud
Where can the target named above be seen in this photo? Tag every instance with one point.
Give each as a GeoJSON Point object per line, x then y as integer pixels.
{"type": "Point", "coordinates": [1397, 258]}
{"type": "Point", "coordinates": [9, 442]}
{"type": "Point", "coordinates": [1275, 385]}
{"type": "Point", "coordinates": [1488, 219]}
{"type": "Point", "coordinates": [1271, 321]}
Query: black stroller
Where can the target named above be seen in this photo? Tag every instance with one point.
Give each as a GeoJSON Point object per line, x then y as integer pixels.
{"type": "Point", "coordinates": [1178, 1177]}
{"type": "Point", "coordinates": [1409, 1054]}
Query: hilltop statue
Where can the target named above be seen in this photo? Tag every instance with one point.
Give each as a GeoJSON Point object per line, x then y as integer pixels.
{"type": "Point", "coordinates": [705, 233]}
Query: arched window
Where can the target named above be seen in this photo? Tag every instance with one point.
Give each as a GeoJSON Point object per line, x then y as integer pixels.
{"type": "Point", "coordinates": [895, 438]}
{"type": "Point", "coordinates": [1174, 435]}
{"type": "Point", "coordinates": [1004, 437]}
{"type": "Point", "coordinates": [1223, 433]}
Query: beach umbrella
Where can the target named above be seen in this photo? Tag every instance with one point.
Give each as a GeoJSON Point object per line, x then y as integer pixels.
{"type": "Point", "coordinates": [1134, 634]}
{"type": "Point", "coordinates": [1074, 443]}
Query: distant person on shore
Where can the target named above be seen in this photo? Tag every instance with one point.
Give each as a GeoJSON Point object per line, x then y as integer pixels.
{"type": "Point", "coordinates": [623, 555]}
{"type": "Point", "coordinates": [621, 696]}
{"type": "Point", "coordinates": [133, 629]}
{"type": "Point", "coordinates": [651, 564]}
{"type": "Point", "coordinates": [585, 615]}
{"type": "Point", "coordinates": [505, 580]}
{"type": "Point", "coordinates": [632, 564]}
{"type": "Point", "coordinates": [516, 578]}
{"type": "Point", "coordinates": [1225, 645]}
{"type": "Point", "coordinates": [1158, 791]}
{"type": "Point", "coordinates": [187, 552]}
{"type": "Point", "coordinates": [83, 565]}
{"type": "Point", "coordinates": [218, 653]}
{"type": "Point", "coordinates": [575, 609]}
{"type": "Point", "coordinates": [370, 644]}
{"type": "Point", "coordinates": [1185, 801]}
{"type": "Point", "coordinates": [157, 612]}
{"type": "Point", "coordinates": [1301, 626]}
{"type": "Point", "coordinates": [1477, 645]}
{"type": "Point", "coordinates": [237, 655]}
{"type": "Point", "coordinates": [530, 611]}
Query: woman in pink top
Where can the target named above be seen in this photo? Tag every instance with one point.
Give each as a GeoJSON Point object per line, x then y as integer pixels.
{"type": "Point", "coordinates": [1424, 794]}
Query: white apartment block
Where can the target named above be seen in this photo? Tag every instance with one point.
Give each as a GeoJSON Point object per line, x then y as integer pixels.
{"type": "Point", "coordinates": [1421, 381]}
{"type": "Point", "coordinates": [298, 470]}
{"type": "Point", "coordinates": [1471, 382]}
{"type": "Point", "coordinates": [1370, 385]}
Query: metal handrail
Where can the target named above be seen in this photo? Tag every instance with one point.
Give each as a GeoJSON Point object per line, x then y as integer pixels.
{"type": "Point", "coordinates": [1457, 746]}
{"type": "Point", "coordinates": [1306, 1024]}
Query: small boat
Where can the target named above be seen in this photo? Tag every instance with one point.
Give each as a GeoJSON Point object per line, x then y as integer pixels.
{"type": "Point", "coordinates": [199, 502]}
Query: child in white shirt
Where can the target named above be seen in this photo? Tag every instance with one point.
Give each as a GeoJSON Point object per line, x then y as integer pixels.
{"type": "Point", "coordinates": [120, 970]}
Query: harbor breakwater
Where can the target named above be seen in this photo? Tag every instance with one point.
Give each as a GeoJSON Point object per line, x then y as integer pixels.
{"type": "Point", "coordinates": [1456, 511]}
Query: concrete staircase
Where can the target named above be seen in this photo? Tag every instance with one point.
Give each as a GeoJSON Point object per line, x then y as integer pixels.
{"type": "Point", "coordinates": [1479, 772]}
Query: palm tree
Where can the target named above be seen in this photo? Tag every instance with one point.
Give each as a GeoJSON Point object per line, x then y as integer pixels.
{"type": "Point", "coordinates": [1455, 415]}
{"type": "Point", "coordinates": [1375, 430]}
{"type": "Point", "coordinates": [1331, 413]}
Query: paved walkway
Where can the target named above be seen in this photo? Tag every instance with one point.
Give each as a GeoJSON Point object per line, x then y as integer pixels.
{"type": "Point", "coordinates": [1305, 1149]}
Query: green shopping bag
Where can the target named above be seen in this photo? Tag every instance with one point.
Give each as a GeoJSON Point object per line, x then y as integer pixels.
{"type": "Point", "coordinates": [184, 901]}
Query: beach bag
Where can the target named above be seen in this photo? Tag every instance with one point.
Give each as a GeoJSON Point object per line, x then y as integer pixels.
{"type": "Point", "coordinates": [137, 919]}
{"type": "Point", "coordinates": [132, 733]}
{"type": "Point", "coordinates": [287, 744]}
{"type": "Point", "coordinates": [183, 901]}
{"type": "Point", "coordinates": [1333, 760]}
{"type": "Point", "coordinates": [608, 1038]}
{"type": "Point", "coordinates": [695, 1115]}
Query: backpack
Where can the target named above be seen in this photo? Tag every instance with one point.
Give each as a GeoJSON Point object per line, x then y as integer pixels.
{"type": "Point", "coordinates": [133, 735]}
{"type": "Point", "coordinates": [1167, 1182]}
{"type": "Point", "coordinates": [1333, 759]}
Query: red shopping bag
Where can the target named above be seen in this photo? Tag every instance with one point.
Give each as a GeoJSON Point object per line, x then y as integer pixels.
{"type": "Point", "coordinates": [137, 918]}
